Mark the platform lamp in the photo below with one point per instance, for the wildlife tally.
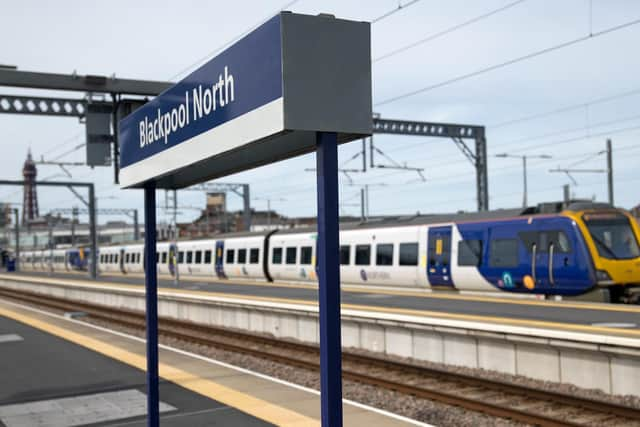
(524, 158)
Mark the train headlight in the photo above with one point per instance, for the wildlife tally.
(603, 277)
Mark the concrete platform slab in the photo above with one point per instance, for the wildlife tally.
(203, 391)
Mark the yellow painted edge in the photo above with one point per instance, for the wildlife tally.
(372, 309)
(244, 402)
(400, 292)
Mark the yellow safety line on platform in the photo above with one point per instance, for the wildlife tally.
(510, 321)
(403, 293)
(244, 402)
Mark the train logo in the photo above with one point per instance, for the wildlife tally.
(507, 280)
(363, 275)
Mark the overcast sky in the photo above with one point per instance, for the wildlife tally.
(158, 40)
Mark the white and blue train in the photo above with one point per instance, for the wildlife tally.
(544, 250)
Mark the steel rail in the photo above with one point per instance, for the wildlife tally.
(204, 335)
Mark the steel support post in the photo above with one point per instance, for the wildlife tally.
(176, 236)
(329, 279)
(136, 227)
(16, 218)
(482, 180)
(151, 294)
(247, 207)
(93, 234)
(524, 172)
(610, 172)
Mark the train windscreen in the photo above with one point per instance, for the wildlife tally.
(613, 235)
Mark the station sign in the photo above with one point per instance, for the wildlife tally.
(261, 100)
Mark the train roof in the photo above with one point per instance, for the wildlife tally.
(416, 220)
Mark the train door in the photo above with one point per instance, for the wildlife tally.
(220, 259)
(121, 262)
(551, 257)
(172, 259)
(439, 256)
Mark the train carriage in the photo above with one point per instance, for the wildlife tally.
(130, 259)
(383, 255)
(244, 256)
(195, 258)
(550, 249)
(292, 256)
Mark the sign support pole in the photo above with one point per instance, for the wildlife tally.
(151, 285)
(329, 279)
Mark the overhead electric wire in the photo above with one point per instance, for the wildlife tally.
(566, 109)
(391, 12)
(509, 62)
(446, 31)
(66, 153)
(63, 143)
(578, 138)
(297, 189)
(231, 41)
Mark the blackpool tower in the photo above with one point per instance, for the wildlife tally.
(30, 196)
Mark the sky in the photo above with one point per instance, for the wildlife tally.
(590, 87)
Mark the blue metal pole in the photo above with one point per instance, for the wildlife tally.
(151, 285)
(329, 279)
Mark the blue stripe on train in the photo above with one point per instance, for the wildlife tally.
(509, 262)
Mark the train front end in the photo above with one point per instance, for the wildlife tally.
(612, 237)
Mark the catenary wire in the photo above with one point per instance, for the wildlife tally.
(231, 41)
(509, 62)
(565, 109)
(446, 31)
(394, 11)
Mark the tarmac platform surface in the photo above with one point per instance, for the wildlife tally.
(61, 372)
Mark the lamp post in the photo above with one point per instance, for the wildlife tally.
(268, 200)
(524, 158)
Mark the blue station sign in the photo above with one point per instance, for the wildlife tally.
(261, 100)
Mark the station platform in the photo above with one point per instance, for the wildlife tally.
(61, 372)
(563, 315)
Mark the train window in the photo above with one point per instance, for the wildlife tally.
(384, 254)
(138, 258)
(254, 256)
(110, 258)
(207, 256)
(198, 259)
(164, 257)
(242, 256)
(116, 259)
(544, 239)
(306, 254)
(180, 257)
(363, 254)
(157, 257)
(276, 256)
(231, 254)
(469, 252)
(503, 253)
(408, 254)
(292, 254)
(189, 257)
(345, 254)
(127, 257)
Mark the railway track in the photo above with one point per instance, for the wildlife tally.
(495, 398)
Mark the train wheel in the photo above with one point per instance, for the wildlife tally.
(616, 294)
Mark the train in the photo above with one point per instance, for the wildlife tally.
(551, 249)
